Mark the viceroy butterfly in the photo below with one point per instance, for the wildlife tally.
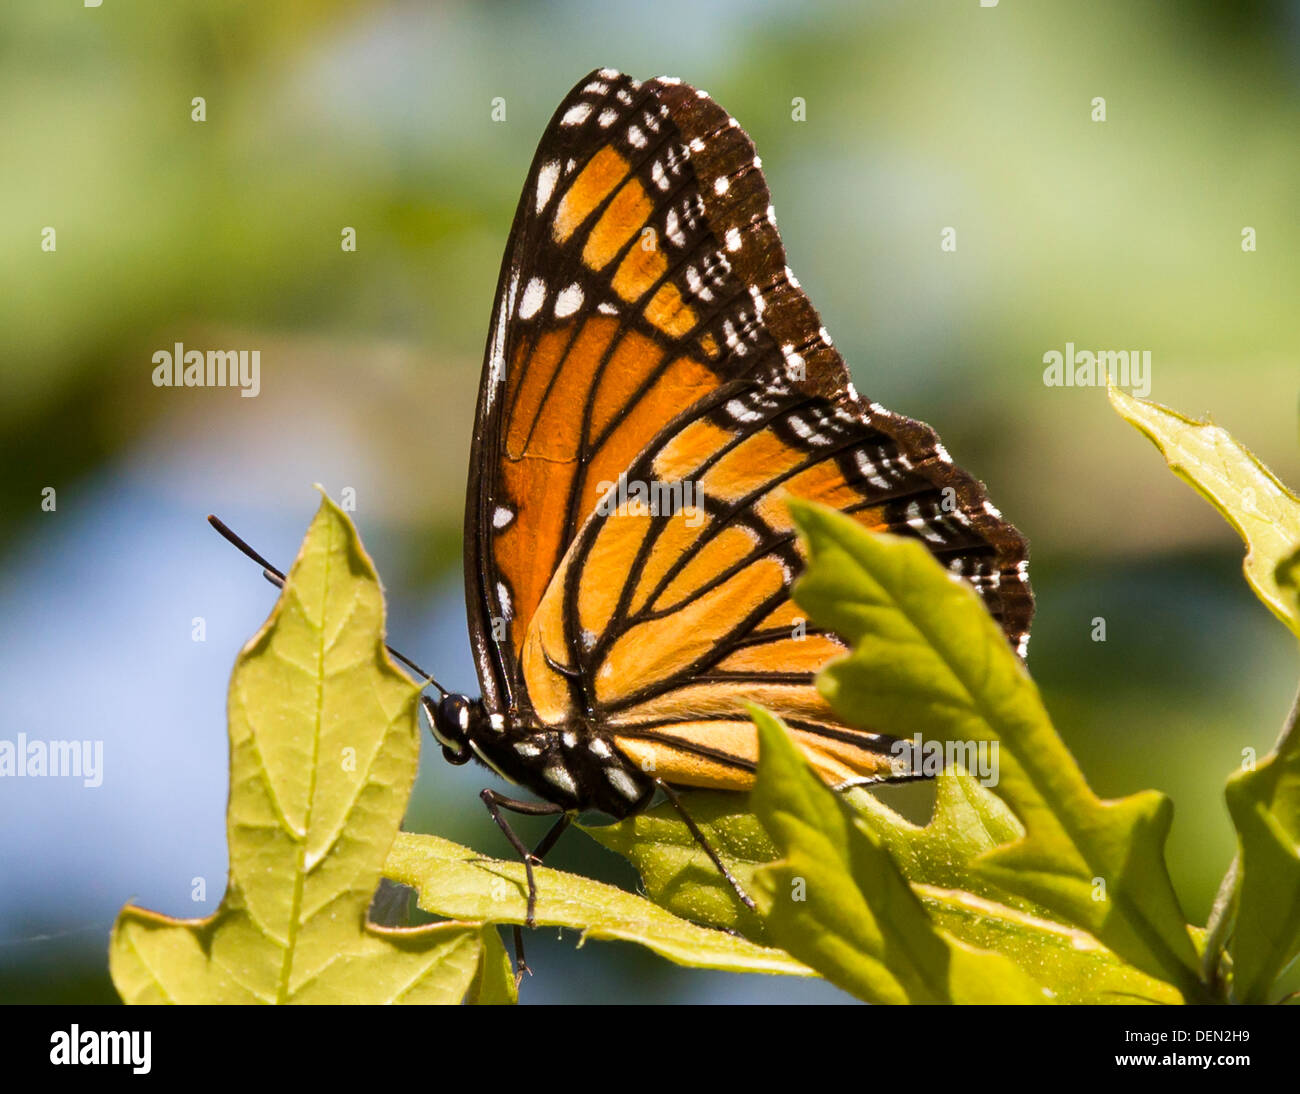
(655, 383)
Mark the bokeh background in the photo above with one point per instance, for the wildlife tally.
(377, 115)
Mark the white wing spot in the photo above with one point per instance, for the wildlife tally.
(673, 229)
(546, 179)
(622, 782)
(576, 114)
(918, 522)
(533, 299)
(733, 239)
(569, 301)
(501, 516)
(741, 412)
(869, 471)
(559, 776)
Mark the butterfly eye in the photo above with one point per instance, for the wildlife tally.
(449, 722)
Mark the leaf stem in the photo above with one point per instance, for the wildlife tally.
(1222, 918)
(1288, 728)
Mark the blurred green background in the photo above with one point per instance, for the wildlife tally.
(226, 233)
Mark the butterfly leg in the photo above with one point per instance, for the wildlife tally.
(676, 803)
(495, 803)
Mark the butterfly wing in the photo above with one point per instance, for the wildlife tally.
(593, 347)
(648, 333)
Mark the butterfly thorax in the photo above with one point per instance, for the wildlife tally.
(572, 765)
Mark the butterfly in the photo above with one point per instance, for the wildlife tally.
(655, 385)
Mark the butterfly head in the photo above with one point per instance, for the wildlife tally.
(453, 719)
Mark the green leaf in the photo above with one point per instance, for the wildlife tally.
(677, 873)
(968, 819)
(936, 858)
(941, 860)
(455, 881)
(1264, 802)
(1264, 512)
(1070, 963)
(323, 750)
(836, 900)
(1265, 807)
(929, 659)
(495, 983)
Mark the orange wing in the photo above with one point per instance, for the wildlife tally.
(648, 333)
(672, 609)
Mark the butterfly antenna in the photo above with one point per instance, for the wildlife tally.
(276, 578)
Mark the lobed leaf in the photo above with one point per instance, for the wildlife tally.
(927, 658)
(323, 751)
(1264, 802)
